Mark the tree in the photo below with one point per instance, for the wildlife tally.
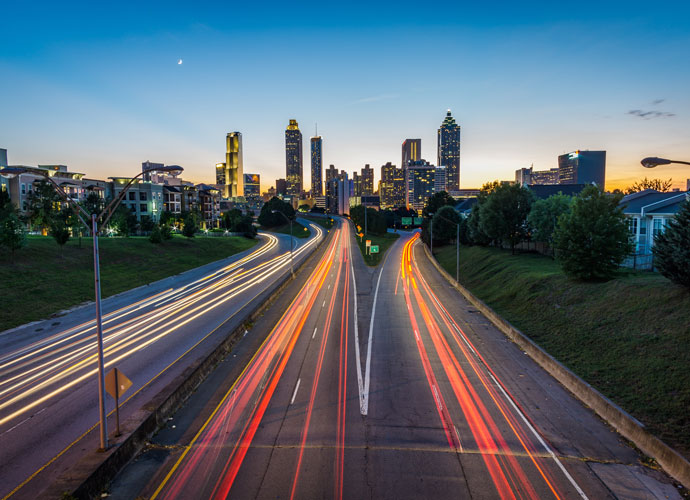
(231, 218)
(12, 232)
(59, 229)
(93, 204)
(544, 215)
(593, 238)
(317, 210)
(445, 224)
(436, 201)
(304, 207)
(166, 231)
(268, 219)
(656, 184)
(672, 247)
(124, 221)
(375, 223)
(43, 203)
(474, 230)
(503, 214)
(190, 226)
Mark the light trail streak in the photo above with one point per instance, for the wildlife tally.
(236, 419)
(31, 370)
(508, 476)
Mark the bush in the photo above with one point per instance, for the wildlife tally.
(593, 238)
(156, 235)
(12, 232)
(166, 231)
(672, 248)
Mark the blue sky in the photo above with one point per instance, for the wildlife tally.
(97, 86)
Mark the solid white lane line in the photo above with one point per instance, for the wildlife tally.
(294, 394)
(360, 383)
(314, 334)
(371, 335)
(324, 304)
(329, 286)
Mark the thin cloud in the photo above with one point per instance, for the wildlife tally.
(657, 101)
(648, 115)
(376, 98)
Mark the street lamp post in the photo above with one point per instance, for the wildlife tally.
(292, 272)
(653, 161)
(431, 229)
(95, 229)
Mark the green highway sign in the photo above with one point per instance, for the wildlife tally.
(418, 221)
(374, 249)
(407, 221)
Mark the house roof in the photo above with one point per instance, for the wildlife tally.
(637, 203)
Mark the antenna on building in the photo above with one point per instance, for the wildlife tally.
(316, 129)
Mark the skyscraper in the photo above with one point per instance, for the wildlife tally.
(230, 175)
(411, 151)
(293, 159)
(316, 166)
(392, 186)
(147, 166)
(582, 167)
(449, 151)
(252, 185)
(367, 181)
(420, 178)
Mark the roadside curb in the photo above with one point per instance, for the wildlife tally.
(669, 459)
(99, 469)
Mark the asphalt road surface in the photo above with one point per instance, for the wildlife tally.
(385, 383)
(48, 382)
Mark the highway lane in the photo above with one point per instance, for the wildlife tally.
(282, 426)
(48, 391)
(417, 396)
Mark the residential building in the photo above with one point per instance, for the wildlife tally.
(440, 179)
(649, 212)
(392, 186)
(209, 205)
(420, 181)
(316, 166)
(147, 167)
(293, 159)
(281, 187)
(172, 199)
(21, 185)
(411, 151)
(143, 198)
(189, 197)
(582, 167)
(449, 151)
(252, 186)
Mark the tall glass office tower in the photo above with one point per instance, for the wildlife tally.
(316, 166)
(449, 151)
(293, 159)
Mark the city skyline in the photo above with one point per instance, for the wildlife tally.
(522, 91)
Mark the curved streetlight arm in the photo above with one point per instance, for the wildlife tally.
(653, 161)
(110, 209)
(77, 208)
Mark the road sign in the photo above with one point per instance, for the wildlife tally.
(418, 221)
(374, 249)
(116, 384)
(407, 221)
(368, 243)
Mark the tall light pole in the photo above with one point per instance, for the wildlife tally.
(104, 216)
(431, 229)
(292, 272)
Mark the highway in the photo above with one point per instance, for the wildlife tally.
(384, 383)
(48, 382)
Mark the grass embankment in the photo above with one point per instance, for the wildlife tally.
(628, 337)
(298, 230)
(384, 242)
(42, 279)
(324, 222)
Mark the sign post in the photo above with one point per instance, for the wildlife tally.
(368, 246)
(116, 384)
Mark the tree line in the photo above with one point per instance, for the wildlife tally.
(589, 234)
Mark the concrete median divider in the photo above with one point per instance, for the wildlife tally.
(669, 459)
(99, 469)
